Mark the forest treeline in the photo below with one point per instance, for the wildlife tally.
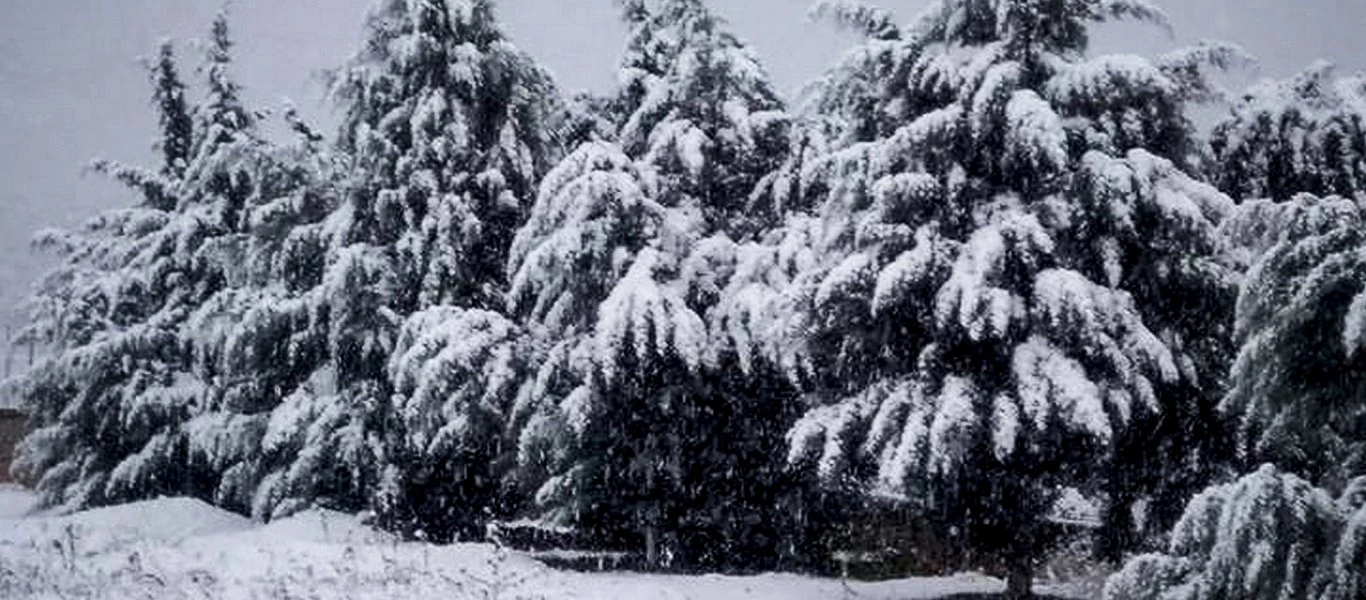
(977, 270)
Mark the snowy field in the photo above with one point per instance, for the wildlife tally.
(179, 548)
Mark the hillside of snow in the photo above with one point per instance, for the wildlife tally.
(181, 548)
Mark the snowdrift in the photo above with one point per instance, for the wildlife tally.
(181, 548)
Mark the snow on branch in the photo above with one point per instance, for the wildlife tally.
(871, 21)
(647, 319)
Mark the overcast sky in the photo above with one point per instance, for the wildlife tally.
(71, 88)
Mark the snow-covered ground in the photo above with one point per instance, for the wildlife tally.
(180, 548)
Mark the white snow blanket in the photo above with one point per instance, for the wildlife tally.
(181, 548)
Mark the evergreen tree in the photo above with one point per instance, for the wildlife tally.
(594, 214)
(1297, 402)
(1268, 536)
(1297, 392)
(651, 437)
(446, 130)
(585, 276)
(1301, 135)
(449, 126)
(260, 338)
(456, 374)
(696, 105)
(1012, 276)
(111, 403)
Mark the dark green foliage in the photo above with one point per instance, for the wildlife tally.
(1301, 135)
(114, 402)
(1006, 226)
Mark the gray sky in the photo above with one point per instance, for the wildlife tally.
(71, 88)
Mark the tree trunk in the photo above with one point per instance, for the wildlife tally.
(1116, 537)
(1020, 580)
(651, 547)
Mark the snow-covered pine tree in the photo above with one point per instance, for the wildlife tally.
(1267, 536)
(258, 335)
(1297, 388)
(580, 261)
(1301, 135)
(446, 130)
(651, 438)
(456, 373)
(747, 508)
(584, 262)
(1297, 402)
(260, 338)
(1012, 273)
(110, 402)
(594, 214)
(706, 120)
(698, 107)
(595, 211)
(449, 126)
